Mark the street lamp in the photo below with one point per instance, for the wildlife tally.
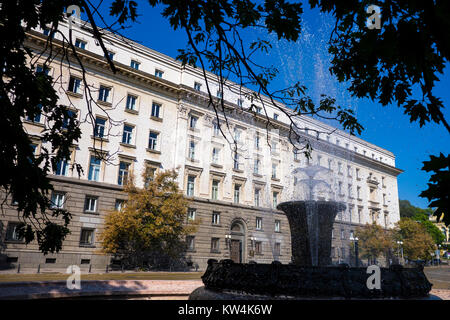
(400, 243)
(356, 249)
(228, 240)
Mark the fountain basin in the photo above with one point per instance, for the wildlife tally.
(229, 280)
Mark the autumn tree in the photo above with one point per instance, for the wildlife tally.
(417, 242)
(150, 227)
(374, 241)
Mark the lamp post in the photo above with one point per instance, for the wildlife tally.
(355, 239)
(228, 240)
(400, 248)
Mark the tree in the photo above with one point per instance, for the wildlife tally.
(421, 215)
(408, 52)
(417, 242)
(374, 241)
(438, 192)
(435, 233)
(149, 228)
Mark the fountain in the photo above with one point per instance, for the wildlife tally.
(310, 275)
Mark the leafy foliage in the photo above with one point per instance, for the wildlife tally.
(374, 241)
(151, 224)
(438, 192)
(26, 93)
(417, 242)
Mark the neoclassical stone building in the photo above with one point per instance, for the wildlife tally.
(153, 115)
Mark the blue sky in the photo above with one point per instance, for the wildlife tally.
(307, 60)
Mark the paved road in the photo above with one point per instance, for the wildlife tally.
(439, 277)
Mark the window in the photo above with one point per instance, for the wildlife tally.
(90, 204)
(240, 103)
(103, 94)
(153, 140)
(350, 191)
(339, 168)
(219, 94)
(87, 237)
(94, 169)
(99, 128)
(258, 223)
(329, 164)
(296, 154)
(159, 73)
(258, 247)
(215, 218)
(256, 167)
(237, 193)
(274, 147)
(237, 135)
(190, 243)
(215, 155)
(277, 249)
(12, 233)
(134, 64)
(275, 116)
(319, 158)
(42, 69)
(382, 182)
(277, 226)
(257, 196)
(37, 117)
(340, 187)
(190, 186)
(216, 129)
(110, 55)
(215, 244)
(215, 190)
(275, 199)
(131, 102)
(68, 118)
(62, 168)
(192, 150)
(74, 85)
(149, 175)
(191, 214)
(50, 260)
(124, 168)
(258, 109)
(197, 86)
(384, 199)
(349, 171)
(127, 134)
(357, 173)
(156, 108)
(257, 141)
(359, 215)
(58, 199)
(358, 192)
(337, 141)
(236, 161)
(80, 44)
(274, 170)
(119, 204)
(49, 32)
(193, 122)
(342, 234)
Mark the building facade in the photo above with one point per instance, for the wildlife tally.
(153, 114)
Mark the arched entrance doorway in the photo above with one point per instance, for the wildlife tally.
(237, 242)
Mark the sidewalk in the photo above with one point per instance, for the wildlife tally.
(156, 289)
